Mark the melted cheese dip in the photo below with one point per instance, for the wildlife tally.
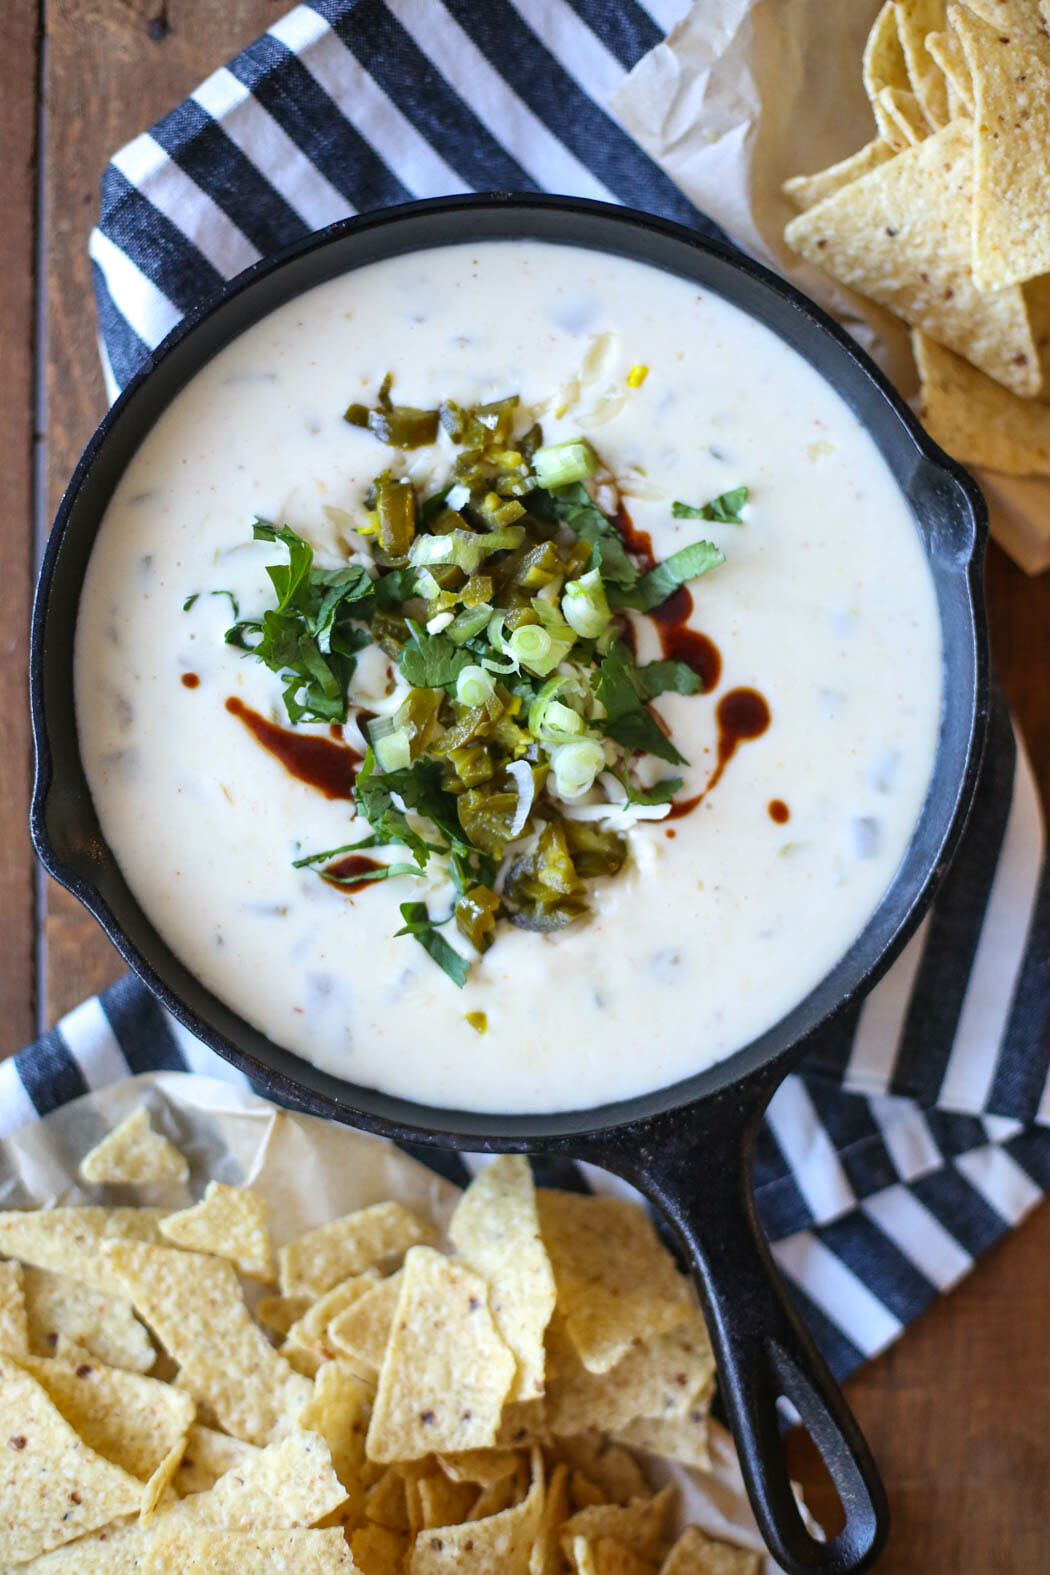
(824, 605)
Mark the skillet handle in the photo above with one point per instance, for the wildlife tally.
(695, 1164)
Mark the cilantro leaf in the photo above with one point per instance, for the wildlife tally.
(660, 792)
(655, 678)
(627, 721)
(573, 506)
(653, 589)
(394, 588)
(725, 508)
(431, 661)
(424, 929)
(373, 795)
(312, 637)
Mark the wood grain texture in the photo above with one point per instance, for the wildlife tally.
(113, 67)
(19, 30)
(959, 1411)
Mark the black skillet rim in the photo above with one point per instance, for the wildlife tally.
(766, 1059)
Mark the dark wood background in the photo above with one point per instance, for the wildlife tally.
(958, 1412)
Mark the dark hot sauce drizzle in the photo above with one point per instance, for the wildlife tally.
(190, 681)
(779, 811)
(742, 714)
(320, 762)
(342, 872)
(683, 644)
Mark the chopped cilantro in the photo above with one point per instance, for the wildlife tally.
(725, 508)
(653, 589)
(626, 720)
(424, 929)
(431, 661)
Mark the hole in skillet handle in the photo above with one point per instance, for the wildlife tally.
(694, 1163)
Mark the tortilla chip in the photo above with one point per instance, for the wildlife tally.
(378, 1551)
(901, 235)
(53, 1487)
(480, 1466)
(695, 1553)
(944, 48)
(66, 1241)
(583, 1492)
(446, 1371)
(1018, 19)
(362, 1331)
(661, 1377)
(500, 1545)
(132, 1421)
(208, 1456)
(976, 420)
(311, 1330)
(612, 1558)
(203, 1550)
(62, 1312)
(195, 1306)
(915, 19)
(385, 1501)
(496, 1497)
(616, 1283)
(638, 1526)
(116, 1549)
(547, 1558)
(338, 1410)
(134, 1153)
(14, 1329)
(884, 66)
(280, 1312)
(314, 1262)
(617, 1473)
(806, 191)
(682, 1438)
(230, 1222)
(289, 1483)
(904, 110)
(524, 1422)
(1011, 207)
(497, 1230)
(445, 1503)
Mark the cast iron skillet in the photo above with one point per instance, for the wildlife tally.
(688, 1147)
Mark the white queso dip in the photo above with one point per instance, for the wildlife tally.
(818, 638)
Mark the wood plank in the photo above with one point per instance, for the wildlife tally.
(19, 46)
(112, 68)
(956, 1414)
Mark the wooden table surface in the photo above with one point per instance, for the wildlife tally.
(958, 1413)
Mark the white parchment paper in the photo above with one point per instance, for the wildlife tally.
(745, 93)
(308, 1171)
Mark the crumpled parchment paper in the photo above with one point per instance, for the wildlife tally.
(308, 1171)
(745, 93)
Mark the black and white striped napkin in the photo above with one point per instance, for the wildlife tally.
(919, 1131)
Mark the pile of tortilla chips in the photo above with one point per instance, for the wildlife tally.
(945, 217)
(369, 1403)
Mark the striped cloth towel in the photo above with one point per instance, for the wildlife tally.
(917, 1133)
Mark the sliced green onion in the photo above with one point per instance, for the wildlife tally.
(584, 605)
(474, 686)
(525, 783)
(458, 495)
(561, 719)
(464, 548)
(560, 464)
(532, 646)
(576, 765)
(440, 621)
(468, 623)
(426, 585)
